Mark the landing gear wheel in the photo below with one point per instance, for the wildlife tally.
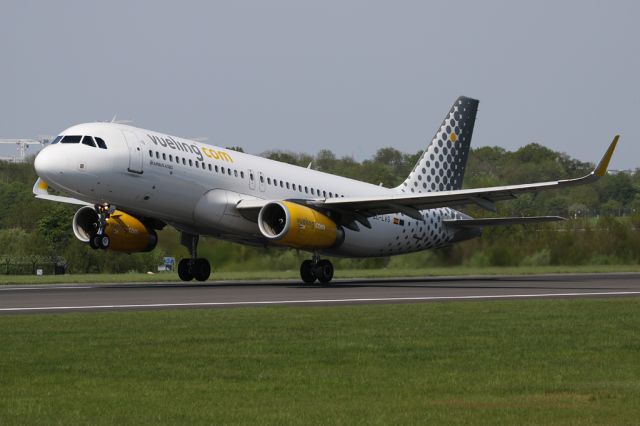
(94, 242)
(99, 242)
(324, 271)
(184, 270)
(306, 272)
(201, 269)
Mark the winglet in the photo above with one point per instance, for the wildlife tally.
(601, 170)
(41, 190)
(40, 187)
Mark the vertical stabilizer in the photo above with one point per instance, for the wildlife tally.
(442, 165)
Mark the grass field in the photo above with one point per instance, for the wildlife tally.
(294, 274)
(505, 362)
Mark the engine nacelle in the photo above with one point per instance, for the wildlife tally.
(298, 226)
(126, 233)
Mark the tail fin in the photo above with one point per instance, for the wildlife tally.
(441, 167)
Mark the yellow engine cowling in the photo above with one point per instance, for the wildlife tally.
(126, 233)
(298, 226)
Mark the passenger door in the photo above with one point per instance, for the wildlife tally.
(135, 151)
(252, 180)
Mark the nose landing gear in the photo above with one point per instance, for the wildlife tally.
(100, 240)
(316, 269)
(198, 268)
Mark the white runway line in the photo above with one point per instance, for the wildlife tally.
(319, 301)
(41, 288)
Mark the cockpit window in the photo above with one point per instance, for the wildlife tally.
(101, 143)
(88, 140)
(56, 140)
(71, 139)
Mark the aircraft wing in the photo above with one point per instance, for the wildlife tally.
(359, 208)
(41, 190)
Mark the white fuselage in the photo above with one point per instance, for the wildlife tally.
(195, 186)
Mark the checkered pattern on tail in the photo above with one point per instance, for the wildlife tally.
(441, 167)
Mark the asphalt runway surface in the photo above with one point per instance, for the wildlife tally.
(114, 297)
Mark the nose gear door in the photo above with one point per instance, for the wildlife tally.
(135, 152)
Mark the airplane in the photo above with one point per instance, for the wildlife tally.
(131, 182)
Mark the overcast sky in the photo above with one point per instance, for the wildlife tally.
(350, 76)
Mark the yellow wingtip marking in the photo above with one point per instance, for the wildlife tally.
(43, 185)
(601, 170)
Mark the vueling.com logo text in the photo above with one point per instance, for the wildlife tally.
(169, 142)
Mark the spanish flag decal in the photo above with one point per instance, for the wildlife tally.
(397, 221)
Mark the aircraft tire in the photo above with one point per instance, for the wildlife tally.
(184, 270)
(324, 271)
(201, 269)
(104, 242)
(94, 242)
(306, 272)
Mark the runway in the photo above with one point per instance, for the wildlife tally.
(114, 297)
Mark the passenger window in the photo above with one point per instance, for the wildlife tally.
(242, 174)
(306, 189)
(150, 153)
(210, 168)
(235, 173)
(324, 193)
(191, 162)
(312, 192)
(222, 170)
(157, 154)
(251, 176)
(88, 140)
(71, 139)
(216, 169)
(262, 179)
(164, 156)
(56, 140)
(281, 185)
(171, 158)
(287, 185)
(229, 171)
(330, 195)
(204, 166)
(184, 162)
(269, 181)
(101, 143)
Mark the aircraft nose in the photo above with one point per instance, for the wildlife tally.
(46, 164)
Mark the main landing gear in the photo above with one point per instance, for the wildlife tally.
(194, 267)
(316, 269)
(100, 240)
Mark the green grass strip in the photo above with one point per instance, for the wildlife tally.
(506, 362)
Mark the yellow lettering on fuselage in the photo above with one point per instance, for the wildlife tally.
(217, 155)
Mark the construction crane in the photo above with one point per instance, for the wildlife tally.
(22, 145)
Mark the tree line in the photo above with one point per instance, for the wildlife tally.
(603, 226)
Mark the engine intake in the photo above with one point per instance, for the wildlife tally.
(126, 233)
(298, 226)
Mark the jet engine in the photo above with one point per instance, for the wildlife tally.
(126, 233)
(298, 226)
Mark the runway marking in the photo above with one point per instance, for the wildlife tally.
(45, 288)
(320, 301)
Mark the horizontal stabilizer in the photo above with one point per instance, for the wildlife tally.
(500, 221)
